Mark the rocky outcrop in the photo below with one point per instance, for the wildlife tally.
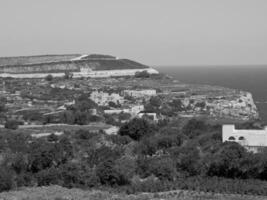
(239, 105)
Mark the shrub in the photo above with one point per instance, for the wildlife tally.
(108, 174)
(12, 124)
(136, 129)
(6, 179)
(48, 177)
(142, 74)
(49, 77)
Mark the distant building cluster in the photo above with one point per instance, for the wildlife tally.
(103, 98)
(140, 93)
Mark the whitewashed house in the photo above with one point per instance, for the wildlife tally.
(253, 140)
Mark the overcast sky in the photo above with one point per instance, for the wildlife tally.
(155, 32)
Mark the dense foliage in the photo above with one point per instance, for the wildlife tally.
(142, 157)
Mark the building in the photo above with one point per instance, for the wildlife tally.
(140, 93)
(253, 140)
(103, 98)
(152, 116)
(133, 110)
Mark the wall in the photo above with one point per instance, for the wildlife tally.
(93, 74)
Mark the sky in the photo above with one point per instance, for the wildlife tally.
(154, 32)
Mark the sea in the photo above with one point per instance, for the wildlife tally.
(248, 78)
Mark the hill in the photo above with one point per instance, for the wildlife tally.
(80, 65)
(23, 60)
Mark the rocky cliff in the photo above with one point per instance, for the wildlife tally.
(237, 105)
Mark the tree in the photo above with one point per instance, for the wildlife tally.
(163, 168)
(194, 128)
(49, 176)
(49, 77)
(177, 105)
(6, 179)
(52, 138)
(108, 174)
(136, 129)
(155, 101)
(12, 124)
(142, 74)
(68, 75)
(188, 160)
(227, 161)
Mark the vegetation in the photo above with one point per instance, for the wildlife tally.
(142, 74)
(49, 77)
(143, 157)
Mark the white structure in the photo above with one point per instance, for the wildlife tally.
(39, 135)
(103, 98)
(251, 139)
(113, 130)
(84, 72)
(153, 116)
(134, 110)
(140, 93)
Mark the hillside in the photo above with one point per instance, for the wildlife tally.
(62, 63)
(23, 60)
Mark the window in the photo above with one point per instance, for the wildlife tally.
(231, 138)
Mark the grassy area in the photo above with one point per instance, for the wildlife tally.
(60, 193)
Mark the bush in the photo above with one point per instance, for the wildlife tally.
(49, 77)
(142, 74)
(6, 179)
(84, 134)
(108, 174)
(48, 177)
(136, 129)
(12, 124)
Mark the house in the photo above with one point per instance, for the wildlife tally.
(252, 139)
(133, 110)
(113, 130)
(40, 135)
(103, 98)
(152, 116)
(140, 93)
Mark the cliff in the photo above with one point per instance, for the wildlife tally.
(236, 105)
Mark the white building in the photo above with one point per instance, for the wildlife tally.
(84, 72)
(103, 98)
(133, 110)
(253, 140)
(140, 93)
(153, 116)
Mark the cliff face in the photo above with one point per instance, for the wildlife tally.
(239, 105)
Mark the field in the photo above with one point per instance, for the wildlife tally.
(60, 193)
